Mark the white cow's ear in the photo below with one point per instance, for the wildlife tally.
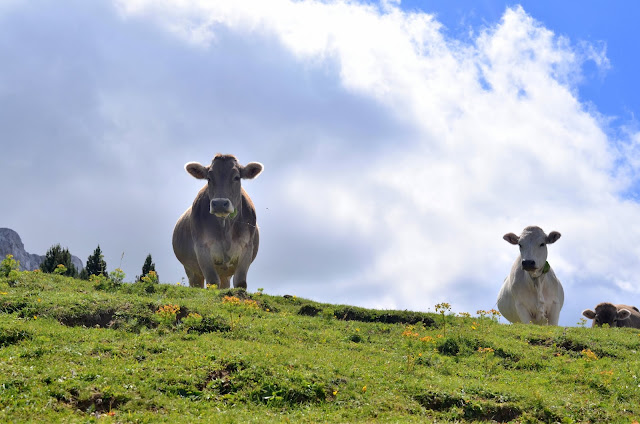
(251, 170)
(623, 314)
(196, 170)
(589, 313)
(553, 237)
(511, 238)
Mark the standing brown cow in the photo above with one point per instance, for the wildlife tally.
(217, 237)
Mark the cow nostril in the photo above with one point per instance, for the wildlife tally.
(528, 264)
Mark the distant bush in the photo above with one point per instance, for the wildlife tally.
(9, 268)
(96, 265)
(147, 267)
(147, 285)
(58, 256)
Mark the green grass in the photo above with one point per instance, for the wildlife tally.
(76, 351)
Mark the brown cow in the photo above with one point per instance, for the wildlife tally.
(614, 315)
(217, 237)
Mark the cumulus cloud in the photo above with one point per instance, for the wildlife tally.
(395, 157)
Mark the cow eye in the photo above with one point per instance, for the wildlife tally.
(236, 178)
(542, 245)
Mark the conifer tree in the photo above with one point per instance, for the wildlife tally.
(96, 265)
(148, 266)
(55, 256)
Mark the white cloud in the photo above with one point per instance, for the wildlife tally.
(395, 158)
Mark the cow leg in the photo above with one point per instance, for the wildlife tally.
(212, 277)
(240, 276)
(523, 313)
(554, 313)
(196, 279)
(205, 262)
(224, 282)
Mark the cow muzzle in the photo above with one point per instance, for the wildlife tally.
(529, 265)
(221, 207)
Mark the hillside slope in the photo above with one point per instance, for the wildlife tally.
(76, 351)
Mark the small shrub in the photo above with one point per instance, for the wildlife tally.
(449, 347)
(235, 301)
(192, 320)
(151, 278)
(117, 277)
(111, 283)
(10, 268)
(356, 338)
(166, 315)
(209, 324)
(147, 284)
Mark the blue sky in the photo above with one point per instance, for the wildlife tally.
(400, 140)
(612, 23)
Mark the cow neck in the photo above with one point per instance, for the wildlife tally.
(537, 274)
(227, 224)
(538, 285)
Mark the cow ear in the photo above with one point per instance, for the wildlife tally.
(589, 313)
(511, 238)
(553, 237)
(251, 170)
(196, 170)
(623, 314)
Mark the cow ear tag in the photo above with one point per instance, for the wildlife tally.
(235, 213)
(546, 268)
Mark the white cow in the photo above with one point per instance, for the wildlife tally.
(531, 293)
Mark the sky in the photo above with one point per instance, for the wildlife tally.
(400, 140)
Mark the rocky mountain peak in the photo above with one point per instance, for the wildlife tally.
(11, 244)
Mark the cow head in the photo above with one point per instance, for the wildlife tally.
(223, 182)
(607, 313)
(533, 248)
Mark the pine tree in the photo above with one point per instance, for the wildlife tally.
(148, 266)
(55, 256)
(96, 265)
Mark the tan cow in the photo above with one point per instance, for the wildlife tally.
(614, 315)
(531, 293)
(217, 237)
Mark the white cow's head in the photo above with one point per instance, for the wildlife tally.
(533, 247)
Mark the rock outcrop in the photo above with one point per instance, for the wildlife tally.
(11, 244)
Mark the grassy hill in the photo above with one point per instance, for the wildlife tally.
(77, 351)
